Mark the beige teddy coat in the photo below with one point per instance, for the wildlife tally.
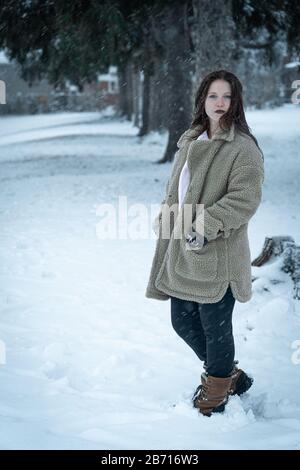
(226, 176)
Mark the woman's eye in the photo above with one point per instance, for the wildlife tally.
(215, 96)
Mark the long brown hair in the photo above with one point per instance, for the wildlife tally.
(235, 113)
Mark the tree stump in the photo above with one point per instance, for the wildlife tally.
(285, 247)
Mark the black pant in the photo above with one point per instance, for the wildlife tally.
(207, 329)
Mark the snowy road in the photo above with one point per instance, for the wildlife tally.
(90, 362)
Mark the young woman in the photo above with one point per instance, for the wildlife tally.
(218, 171)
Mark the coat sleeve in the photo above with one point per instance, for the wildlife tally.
(156, 222)
(238, 205)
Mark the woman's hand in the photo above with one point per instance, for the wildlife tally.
(195, 239)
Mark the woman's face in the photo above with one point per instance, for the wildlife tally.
(218, 99)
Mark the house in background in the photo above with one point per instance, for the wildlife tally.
(42, 97)
(20, 97)
(109, 86)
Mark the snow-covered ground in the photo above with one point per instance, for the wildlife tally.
(90, 362)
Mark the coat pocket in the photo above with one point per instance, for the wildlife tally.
(199, 265)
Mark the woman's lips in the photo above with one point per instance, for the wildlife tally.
(219, 111)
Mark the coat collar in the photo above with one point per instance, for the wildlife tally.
(193, 133)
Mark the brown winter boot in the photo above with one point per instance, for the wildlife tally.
(213, 395)
(241, 382)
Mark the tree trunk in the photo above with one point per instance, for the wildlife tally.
(125, 91)
(178, 81)
(129, 91)
(136, 96)
(213, 37)
(158, 101)
(146, 101)
(148, 72)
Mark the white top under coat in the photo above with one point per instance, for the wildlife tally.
(184, 178)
